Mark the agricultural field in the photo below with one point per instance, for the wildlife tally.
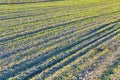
(60, 40)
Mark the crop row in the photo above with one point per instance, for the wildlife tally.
(47, 44)
(49, 30)
(27, 25)
(77, 69)
(73, 44)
